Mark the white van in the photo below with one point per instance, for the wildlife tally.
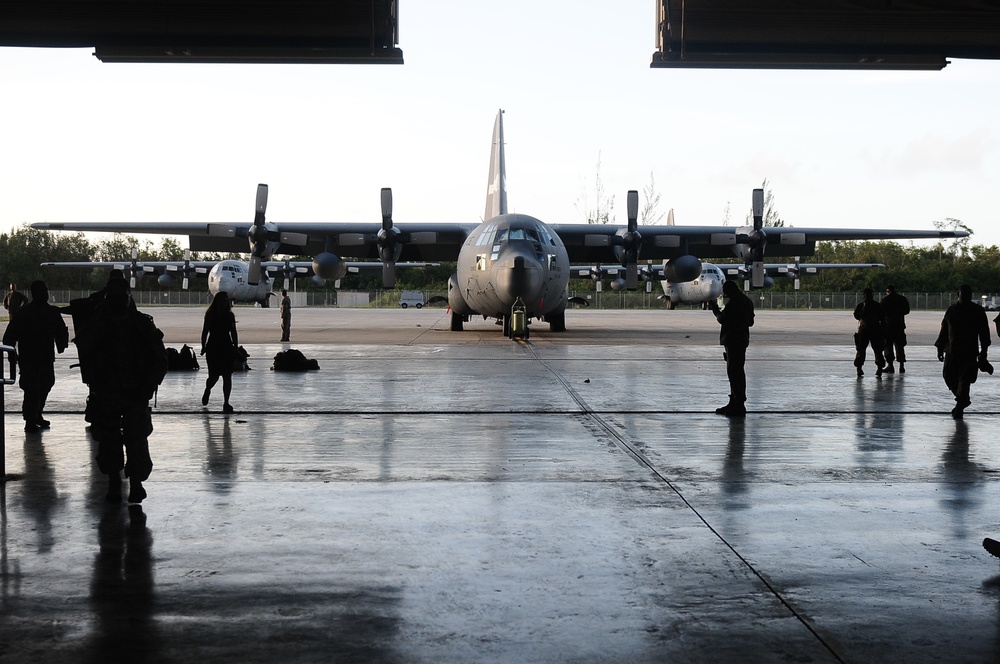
(411, 298)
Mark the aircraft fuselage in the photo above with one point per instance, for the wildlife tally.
(511, 257)
(232, 278)
(704, 289)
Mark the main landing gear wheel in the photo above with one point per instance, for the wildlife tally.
(557, 322)
(456, 322)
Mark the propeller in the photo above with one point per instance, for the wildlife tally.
(289, 273)
(258, 236)
(265, 238)
(186, 270)
(631, 242)
(648, 275)
(757, 240)
(133, 268)
(389, 241)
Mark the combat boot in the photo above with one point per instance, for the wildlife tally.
(901, 369)
(889, 369)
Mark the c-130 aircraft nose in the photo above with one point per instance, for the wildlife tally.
(519, 277)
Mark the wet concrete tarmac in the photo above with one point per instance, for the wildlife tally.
(429, 496)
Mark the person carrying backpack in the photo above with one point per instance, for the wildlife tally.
(128, 362)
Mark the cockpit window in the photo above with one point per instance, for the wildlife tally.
(487, 236)
(544, 235)
(516, 234)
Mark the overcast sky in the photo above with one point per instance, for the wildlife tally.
(86, 141)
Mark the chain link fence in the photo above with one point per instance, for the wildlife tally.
(389, 299)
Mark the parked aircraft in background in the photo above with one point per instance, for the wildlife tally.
(508, 258)
(708, 286)
(228, 276)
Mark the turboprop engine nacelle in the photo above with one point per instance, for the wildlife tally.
(329, 266)
(166, 281)
(318, 280)
(684, 268)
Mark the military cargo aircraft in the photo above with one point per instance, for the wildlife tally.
(226, 276)
(507, 259)
(708, 286)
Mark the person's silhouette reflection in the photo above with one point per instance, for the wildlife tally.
(734, 482)
(44, 495)
(122, 589)
(961, 477)
(221, 461)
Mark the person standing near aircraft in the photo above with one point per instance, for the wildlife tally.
(14, 300)
(962, 345)
(127, 363)
(896, 307)
(286, 315)
(736, 319)
(219, 340)
(37, 331)
(871, 332)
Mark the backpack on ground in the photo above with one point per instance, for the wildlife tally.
(293, 360)
(182, 360)
(240, 357)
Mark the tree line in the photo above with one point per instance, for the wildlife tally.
(924, 268)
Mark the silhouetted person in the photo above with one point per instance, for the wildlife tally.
(871, 332)
(37, 331)
(128, 362)
(219, 341)
(82, 311)
(962, 345)
(286, 315)
(14, 300)
(736, 319)
(896, 307)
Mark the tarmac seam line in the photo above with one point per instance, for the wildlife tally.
(637, 454)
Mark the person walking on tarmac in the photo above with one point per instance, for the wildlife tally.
(219, 340)
(127, 363)
(736, 319)
(871, 332)
(38, 331)
(896, 308)
(962, 345)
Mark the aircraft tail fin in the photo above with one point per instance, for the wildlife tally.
(496, 188)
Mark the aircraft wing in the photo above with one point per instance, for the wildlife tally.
(140, 267)
(359, 240)
(594, 243)
(305, 268)
(790, 269)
